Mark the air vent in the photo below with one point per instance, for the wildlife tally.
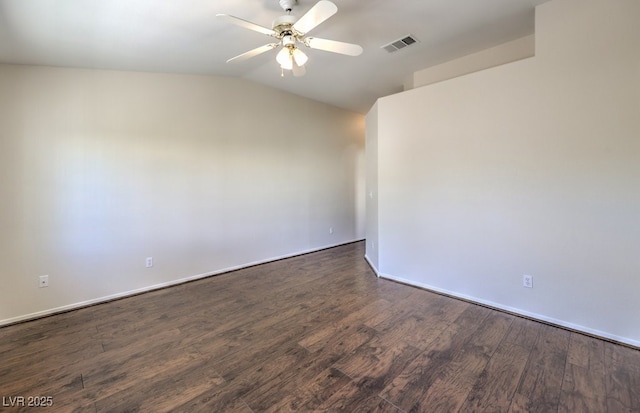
(399, 44)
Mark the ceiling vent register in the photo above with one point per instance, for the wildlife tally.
(399, 44)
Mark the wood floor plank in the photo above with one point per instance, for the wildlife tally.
(303, 380)
(353, 320)
(583, 386)
(407, 388)
(163, 392)
(496, 385)
(370, 368)
(582, 391)
(373, 365)
(318, 332)
(420, 327)
(353, 398)
(586, 352)
(302, 393)
(298, 376)
(60, 385)
(46, 344)
(416, 301)
(523, 332)
(267, 363)
(287, 317)
(104, 379)
(226, 398)
(43, 365)
(541, 381)
(456, 379)
(622, 378)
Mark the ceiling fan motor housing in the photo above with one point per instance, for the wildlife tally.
(288, 40)
(283, 24)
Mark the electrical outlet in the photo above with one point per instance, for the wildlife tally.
(330, 230)
(149, 262)
(527, 281)
(44, 281)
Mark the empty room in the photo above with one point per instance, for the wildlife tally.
(303, 205)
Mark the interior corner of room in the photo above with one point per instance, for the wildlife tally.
(525, 169)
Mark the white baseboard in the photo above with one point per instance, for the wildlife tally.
(124, 294)
(527, 314)
(373, 267)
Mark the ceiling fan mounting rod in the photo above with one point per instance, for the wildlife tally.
(287, 5)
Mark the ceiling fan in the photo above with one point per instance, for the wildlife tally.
(291, 33)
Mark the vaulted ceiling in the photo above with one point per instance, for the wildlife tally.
(184, 36)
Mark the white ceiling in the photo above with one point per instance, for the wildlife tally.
(184, 36)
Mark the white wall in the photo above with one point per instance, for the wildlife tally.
(101, 169)
(512, 51)
(371, 133)
(527, 168)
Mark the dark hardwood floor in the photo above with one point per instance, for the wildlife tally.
(317, 332)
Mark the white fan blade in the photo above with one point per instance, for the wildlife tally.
(254, 52)
(298, 70)
(333, 46)
(246, 24)
(316, 15)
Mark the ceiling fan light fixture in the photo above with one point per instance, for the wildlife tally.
(299, 56)
(285, 58)
(298, 71)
